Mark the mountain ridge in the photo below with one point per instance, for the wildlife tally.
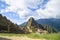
(6, 26)
(32, 26)
(41, 22)
(52, 22)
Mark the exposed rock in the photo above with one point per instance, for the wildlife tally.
(32, 26)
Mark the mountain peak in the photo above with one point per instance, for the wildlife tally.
(32, 25)
(31, 19)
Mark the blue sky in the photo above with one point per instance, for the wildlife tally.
(19, 11)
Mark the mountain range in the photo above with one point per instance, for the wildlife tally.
(51, 22)
(31, 26)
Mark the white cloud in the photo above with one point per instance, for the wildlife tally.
(20, 7)
(23, 13)
(15, 4)
(33, 3)
(51, 11)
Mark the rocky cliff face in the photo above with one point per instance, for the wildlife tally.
(33, 26)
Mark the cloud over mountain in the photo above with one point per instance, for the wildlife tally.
(27, 8)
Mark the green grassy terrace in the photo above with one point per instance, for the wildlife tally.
(52, 36)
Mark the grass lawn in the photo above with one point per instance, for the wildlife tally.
(52, 36)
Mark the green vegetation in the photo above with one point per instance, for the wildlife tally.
(6, 26)
(53, 36)
(50, 29)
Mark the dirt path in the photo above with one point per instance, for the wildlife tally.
(17, 38)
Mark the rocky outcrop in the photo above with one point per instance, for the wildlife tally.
(32, 26)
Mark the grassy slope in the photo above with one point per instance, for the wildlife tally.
(53, 36)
